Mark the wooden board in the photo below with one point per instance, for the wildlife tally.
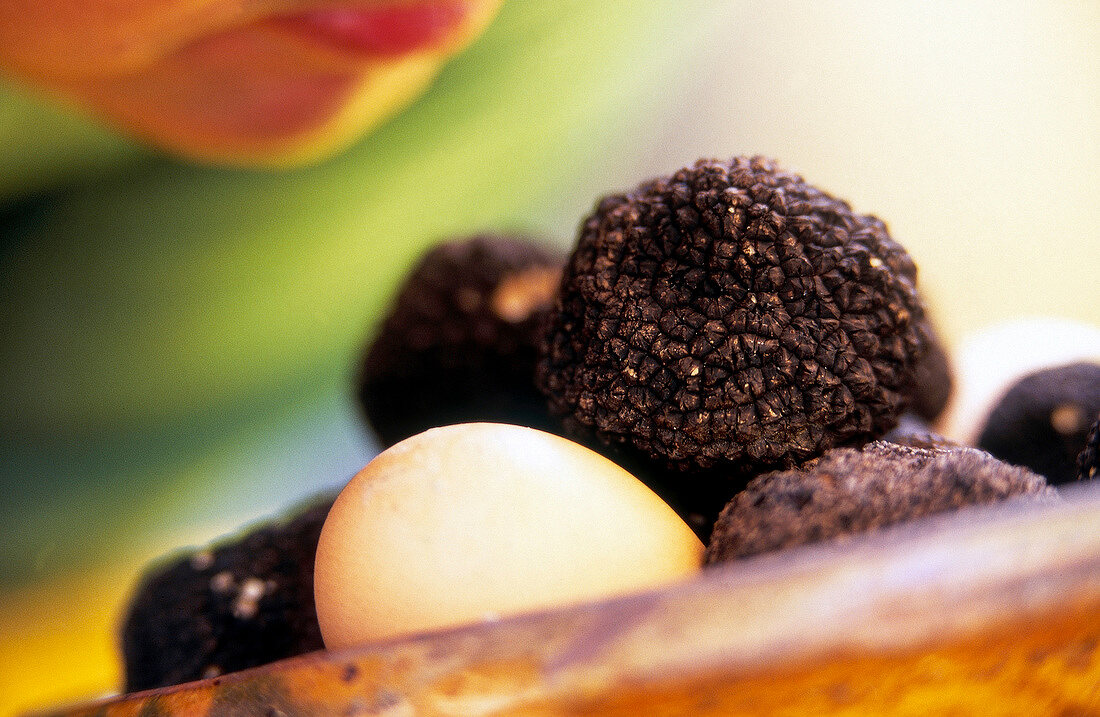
(992, 611)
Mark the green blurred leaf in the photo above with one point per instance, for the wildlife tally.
(164, 327)
(177, 288)
(43, 146)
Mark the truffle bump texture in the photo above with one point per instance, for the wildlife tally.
(849, 491)
(733, 317)
(460, 341)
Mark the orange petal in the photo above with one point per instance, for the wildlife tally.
(282, 91)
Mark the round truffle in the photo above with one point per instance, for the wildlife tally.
(1042, 421)
(849, 491)
(460, 341)
(1088, 462)
(240, 603)
(733, 317)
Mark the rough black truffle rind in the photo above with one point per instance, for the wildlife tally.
(234, 605)
(849, 491)
(460, 341)
(1043, 419)
(733, 317)
(1088, 462)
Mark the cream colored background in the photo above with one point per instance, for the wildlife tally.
(970, 128)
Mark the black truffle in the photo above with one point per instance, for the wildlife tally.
(731, 318)
(1088, 462)
(234, 605)
(933, 381)
(1043, 419)
(460, 342)
(849, 491)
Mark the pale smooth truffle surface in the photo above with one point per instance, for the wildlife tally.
(478, 521)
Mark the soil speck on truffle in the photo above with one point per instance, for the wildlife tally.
(243, 602)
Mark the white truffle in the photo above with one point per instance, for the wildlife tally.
(474, 520)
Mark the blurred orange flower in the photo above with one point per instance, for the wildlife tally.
(249, 82)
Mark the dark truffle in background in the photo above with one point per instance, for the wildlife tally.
(1088, 462)
(231, 606)
(732, 318)
(460, 341)
(1042, 420)
(849, 491)
(933, 382)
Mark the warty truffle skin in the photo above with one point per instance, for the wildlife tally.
(849, 491)
(460, 341)
(243, 602)
(732, 317)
